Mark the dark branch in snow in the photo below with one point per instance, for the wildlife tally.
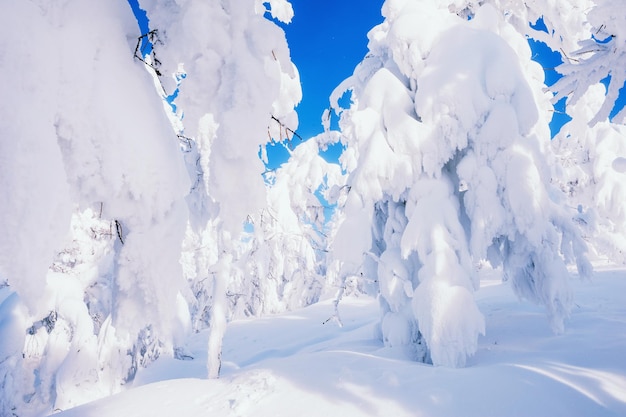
(287, 129)
(186, 143)
(199, 174)
(118, 228)
(566, 56)
(145, 47)
(48, 322)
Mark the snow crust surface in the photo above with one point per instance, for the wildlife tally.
(293, 364)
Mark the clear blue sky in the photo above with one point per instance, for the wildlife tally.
(327, 39)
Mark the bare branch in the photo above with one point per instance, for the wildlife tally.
(287, 129)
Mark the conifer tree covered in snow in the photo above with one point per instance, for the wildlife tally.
(287, 260)
(93, 210)
(237, 68)
(591, 148)
(445, 143)
(601, 54)
(589, 35)
(99, 204)
(591, 171)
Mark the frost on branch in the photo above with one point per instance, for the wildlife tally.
(240, 87)
(446, 169)
(285, 261)
(601, 56)
(588, 172)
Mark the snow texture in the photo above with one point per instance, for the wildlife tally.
(443, 141)
(292, 364)
(238, 93)
(138, 217)
(237, 68)
(100, 208)
(602, 54)
(590, 171)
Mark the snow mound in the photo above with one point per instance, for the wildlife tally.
(293, 364)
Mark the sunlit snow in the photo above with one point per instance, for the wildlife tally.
(153, 263)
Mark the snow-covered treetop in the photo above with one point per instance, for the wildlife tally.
(237, 66)
(600, 56)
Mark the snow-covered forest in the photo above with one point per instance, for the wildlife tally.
(144, 238)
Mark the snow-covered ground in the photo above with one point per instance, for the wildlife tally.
(295, 364)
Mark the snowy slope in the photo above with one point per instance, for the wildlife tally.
(294, 365)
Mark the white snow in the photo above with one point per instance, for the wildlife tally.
(601, 54)
(127, 229)
(590, 170)
(619, 165)
(292, 364)
(97, 205)
(445, 153)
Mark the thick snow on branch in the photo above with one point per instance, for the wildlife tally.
(239, 93)
(99, 210)
(590, 171)
(601, 55)
(237, 67)
(95, 203)
(447, 168)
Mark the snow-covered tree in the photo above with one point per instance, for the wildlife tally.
(97, 212)
(601, 55)
(93, 210)
(239, 86)
(122, 220)
(279, 264)
(287, 260)
(590, 170)
(445, 143)
(589, 35)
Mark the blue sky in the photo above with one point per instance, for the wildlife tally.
(327, 39)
